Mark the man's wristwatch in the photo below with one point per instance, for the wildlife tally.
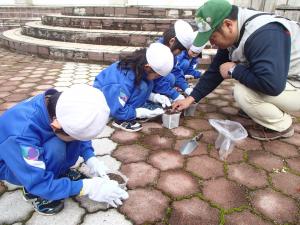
(230, 71)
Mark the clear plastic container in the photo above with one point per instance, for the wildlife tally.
(190, 111)
(171, 121)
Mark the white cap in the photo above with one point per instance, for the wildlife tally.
(184, 32)
(160, 58)
(82, 111)
(195, 48)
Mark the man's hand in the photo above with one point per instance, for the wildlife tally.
(224, 68)
(183, 104)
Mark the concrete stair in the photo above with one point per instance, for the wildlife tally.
(94, 34)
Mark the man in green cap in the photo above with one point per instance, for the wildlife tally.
(259, 50)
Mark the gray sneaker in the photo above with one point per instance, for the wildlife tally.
(130, 126)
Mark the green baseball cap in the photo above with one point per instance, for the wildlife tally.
(208, 18)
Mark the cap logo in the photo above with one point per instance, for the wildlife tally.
(203, 26)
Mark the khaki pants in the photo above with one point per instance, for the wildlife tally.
(269, 111)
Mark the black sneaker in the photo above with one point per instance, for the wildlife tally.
(74, 175)
(47, 207)
(130, 126)
(27, 196)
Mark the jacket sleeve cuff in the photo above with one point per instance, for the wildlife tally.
(76, 187)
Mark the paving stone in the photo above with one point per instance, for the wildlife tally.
(218, 102)
(157, 142)
(215, 116)
(44, 87)
(249, 144)
(275, 206)
(229, 110)
(236, 155)
(198, 124)
(145, 206)
(11, 88)
(294, 164)
(210, 137)
(8, 202)
(207, 108)
(106, 218)
(17, 78)
(106, 132)
(139, 174)
(205, 167)
(110, 162)
(124, 137)
(103, 146)
(193, 211)
(287, 183)
(169, 180)
(265, 160)
(7, 105)
(4, 93)
(90, 205)
(225, 193)
(247, 175)
(71, 213)
(16, 97)
(165, 160)
(245, 218)
(281, 149)
(13, 83)
(294, 140)
(200, 150)
(131, 153)
(182, 132)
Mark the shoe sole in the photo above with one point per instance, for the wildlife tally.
(287, 135)
(122, 128)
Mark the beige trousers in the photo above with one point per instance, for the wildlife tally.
(269, 111)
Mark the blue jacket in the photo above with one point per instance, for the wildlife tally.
(23, 130)
(187, 64)
(121, 93)
(268, 53)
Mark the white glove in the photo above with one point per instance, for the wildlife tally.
(97, 167)
(180, 97)
(162, 99)
(147, 113)
(103, 190)
(187, 76)
(188, 91)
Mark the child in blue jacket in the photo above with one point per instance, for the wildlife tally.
(42, 137)
(128, 84)
(178, 38)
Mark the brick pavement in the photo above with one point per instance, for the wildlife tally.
(257, 184)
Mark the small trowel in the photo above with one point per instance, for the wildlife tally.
(190, 145)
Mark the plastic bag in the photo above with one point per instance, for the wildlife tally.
(229, 133)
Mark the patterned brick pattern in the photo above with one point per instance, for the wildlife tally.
(258, 183)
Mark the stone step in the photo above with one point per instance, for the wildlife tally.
(111, 23)
(67, 51)
(132, 11)
(90, 36)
